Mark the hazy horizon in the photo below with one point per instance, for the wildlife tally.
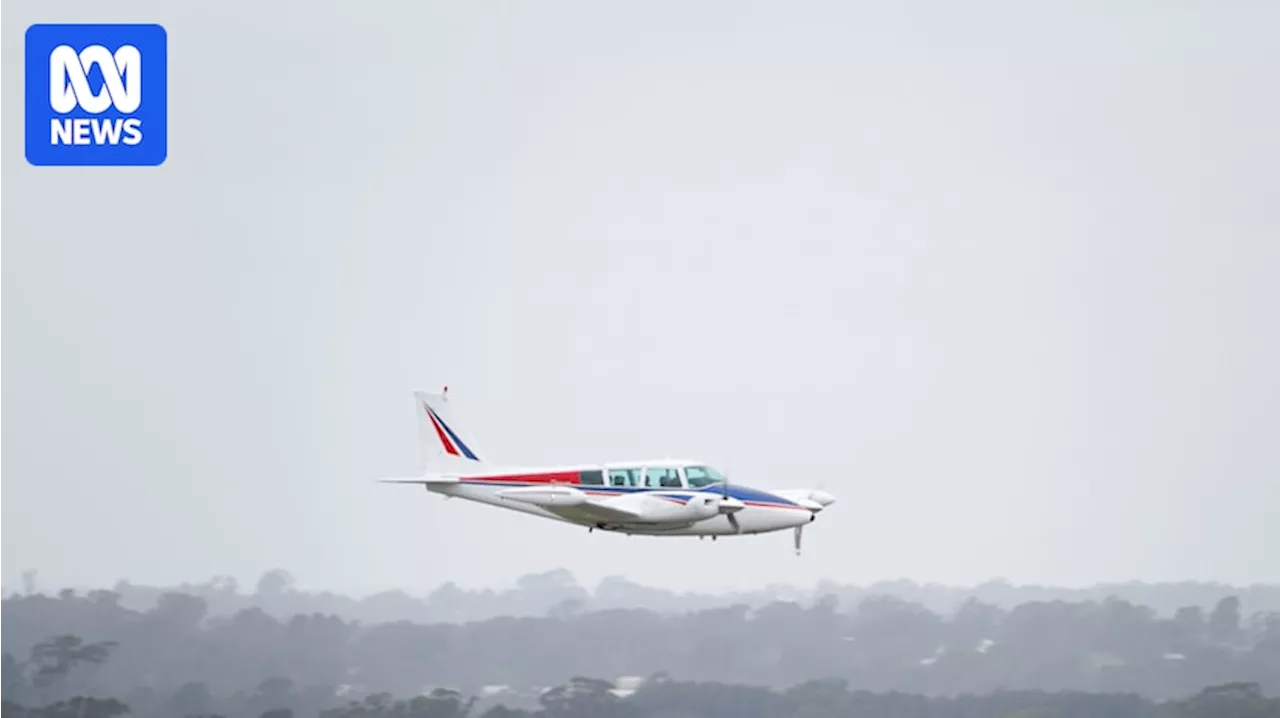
(246, 584)
(1001, 277)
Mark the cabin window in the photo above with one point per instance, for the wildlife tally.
(662, 477)
(624, 477)
(700, 476)
(592, 477)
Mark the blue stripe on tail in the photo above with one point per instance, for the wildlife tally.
(467, 452)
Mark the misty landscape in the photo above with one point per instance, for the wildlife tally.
(551, 647)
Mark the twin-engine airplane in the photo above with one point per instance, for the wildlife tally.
(652, 498)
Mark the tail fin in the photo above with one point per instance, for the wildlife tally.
(438, 432)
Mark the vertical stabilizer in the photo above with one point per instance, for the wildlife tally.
(439, 434)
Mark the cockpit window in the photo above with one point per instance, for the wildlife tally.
(700, 476)
(662, 477)
(624, 477)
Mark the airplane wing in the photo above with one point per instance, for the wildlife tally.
(598, 510)
(568, 502)
(575, 505)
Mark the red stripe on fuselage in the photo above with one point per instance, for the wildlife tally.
(553, 477)
(767, 505)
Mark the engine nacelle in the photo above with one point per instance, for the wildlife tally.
(703, 506)
(660, 508)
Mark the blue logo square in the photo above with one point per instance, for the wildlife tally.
(97, 95)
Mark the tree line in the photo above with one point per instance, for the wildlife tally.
(176, 654)
(539, 594)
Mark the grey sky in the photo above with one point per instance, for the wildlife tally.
(1002, 275)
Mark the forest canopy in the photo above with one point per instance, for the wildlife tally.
(177, 654)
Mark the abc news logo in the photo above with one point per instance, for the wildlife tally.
(97, 94)
(121, 89)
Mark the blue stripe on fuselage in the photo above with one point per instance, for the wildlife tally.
(745, 493)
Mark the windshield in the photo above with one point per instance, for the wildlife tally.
(700, 476)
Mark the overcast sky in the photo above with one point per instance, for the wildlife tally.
(1000, 275)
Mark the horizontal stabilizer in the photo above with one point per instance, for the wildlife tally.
(422, 480)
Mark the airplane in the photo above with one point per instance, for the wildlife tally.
(662, 497)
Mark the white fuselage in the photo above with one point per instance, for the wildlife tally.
(762, 512)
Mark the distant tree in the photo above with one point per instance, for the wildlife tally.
(827, 604)
(377, 704)
(52, 660)
(581, 697)
(973, 622)
(1191, 620)
(274, 583)
(105, 599)
(567, 608)
(1224, 622)
(179, 611)
(440, 703)
(224, 584)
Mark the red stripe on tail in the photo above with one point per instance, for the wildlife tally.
(444, 439)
